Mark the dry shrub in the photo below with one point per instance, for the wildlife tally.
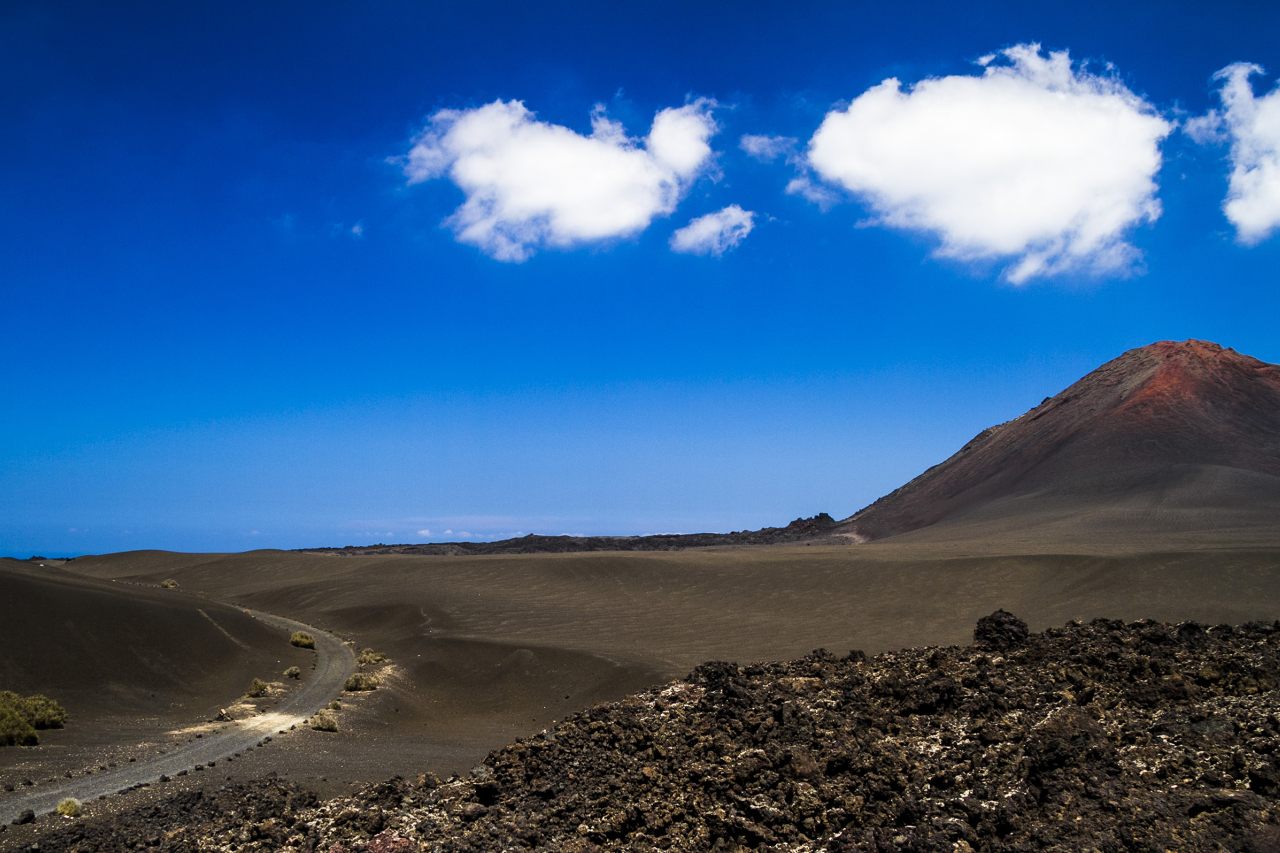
(360, 682)
(323, 721)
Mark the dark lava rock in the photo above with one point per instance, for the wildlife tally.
(1001, 630)
(27, 816)
(816, 528)
(1101, 736)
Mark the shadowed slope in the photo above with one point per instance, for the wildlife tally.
(1168, 436)
(115, 650)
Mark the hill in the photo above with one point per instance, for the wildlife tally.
(1174, 436)
(130, 662)
(800, 530)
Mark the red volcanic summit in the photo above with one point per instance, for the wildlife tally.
(1170, 436)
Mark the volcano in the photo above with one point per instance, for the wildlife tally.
(1173, 436)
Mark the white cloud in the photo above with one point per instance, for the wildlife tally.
(767, 148)
(1252, 125)
(424, 532)
(531, 184)
(807, 188)
(715, 233)
(1033, 160)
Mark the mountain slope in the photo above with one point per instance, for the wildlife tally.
(1166, 435)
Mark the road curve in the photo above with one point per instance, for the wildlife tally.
(334, 662)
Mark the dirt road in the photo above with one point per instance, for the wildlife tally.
(334, 662)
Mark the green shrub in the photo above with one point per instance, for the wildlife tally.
(70, 807)
(302, 640)
(14, 728)
(44, 713)
(169, 583)
(257, 688)
(335, 705)
(361, 681)
(293, 672)
(21, 716)
(323, 721)
(368, 657)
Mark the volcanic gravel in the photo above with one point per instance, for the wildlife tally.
(1106, 736)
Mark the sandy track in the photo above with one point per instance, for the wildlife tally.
(334, 662)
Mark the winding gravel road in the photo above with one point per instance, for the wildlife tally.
(334, 662)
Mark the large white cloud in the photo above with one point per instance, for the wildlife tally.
(1033, 160)
(1252, 124)
(531, 184)
(714, 233)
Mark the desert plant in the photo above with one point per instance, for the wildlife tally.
(302, 640)
(169, 583)
(21, 716)
(14, 728)
(360, 681)
(70, 807)
(293, 672)
(323, 721)
(257, 688)
(335, 705)
(44, 713)
(368, 657)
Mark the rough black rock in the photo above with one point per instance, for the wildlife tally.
(1105, 736)
(1001, 630)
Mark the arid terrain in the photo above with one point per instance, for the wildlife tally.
(1106, 735)
(1054, 518)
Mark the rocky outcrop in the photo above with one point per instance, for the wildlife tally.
(1106, 735)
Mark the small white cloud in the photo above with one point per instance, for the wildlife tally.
(767, 148)
(424, 532)
(357, 230)
(1252, 125)
(531, 184)
(810, 190)
(715, 233)
(1032, 160)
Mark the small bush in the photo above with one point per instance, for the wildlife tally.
(169, 583)
(293, 672)
(302, 640)
(70, 807)
(361, 681)
(21, 716)
(257, 688)
(368, 657)
(44, 713)
(323, 721)
(15, 730)
(335, 705)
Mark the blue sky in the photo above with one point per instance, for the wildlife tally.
(235, 322)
